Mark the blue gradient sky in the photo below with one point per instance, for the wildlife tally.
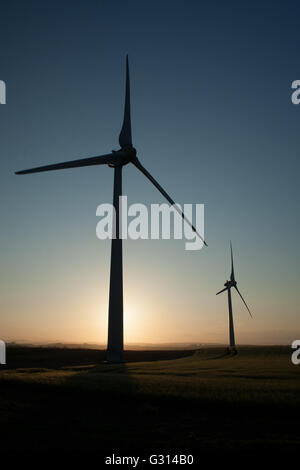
(212, 121)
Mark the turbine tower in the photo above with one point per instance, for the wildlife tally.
(228, 285)
(116, 160)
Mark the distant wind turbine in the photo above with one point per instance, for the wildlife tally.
(117, 159)
(228, 285)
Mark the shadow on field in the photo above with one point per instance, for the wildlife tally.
(57, 358)
(217, 354)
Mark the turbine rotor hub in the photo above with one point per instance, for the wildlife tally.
(123, 156)
(230, 284)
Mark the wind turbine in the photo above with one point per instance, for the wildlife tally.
(116, 159)
(228, 285)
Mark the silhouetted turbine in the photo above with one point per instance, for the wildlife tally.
(228, 285)
(116, 159)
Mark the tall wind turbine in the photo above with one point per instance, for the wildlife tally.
(228, 285)
(117, 159)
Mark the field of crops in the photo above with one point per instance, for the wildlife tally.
(167, 401)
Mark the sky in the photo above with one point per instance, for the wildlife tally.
(212, 120)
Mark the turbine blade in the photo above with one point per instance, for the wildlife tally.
(223, 290)
(125, 134)
(137, 163)
(232, 269)
(243, 301)
(101, 160)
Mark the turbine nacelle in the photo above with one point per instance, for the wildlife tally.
(230, 284)
(125, 155)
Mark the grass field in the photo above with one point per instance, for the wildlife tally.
(159, 401)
